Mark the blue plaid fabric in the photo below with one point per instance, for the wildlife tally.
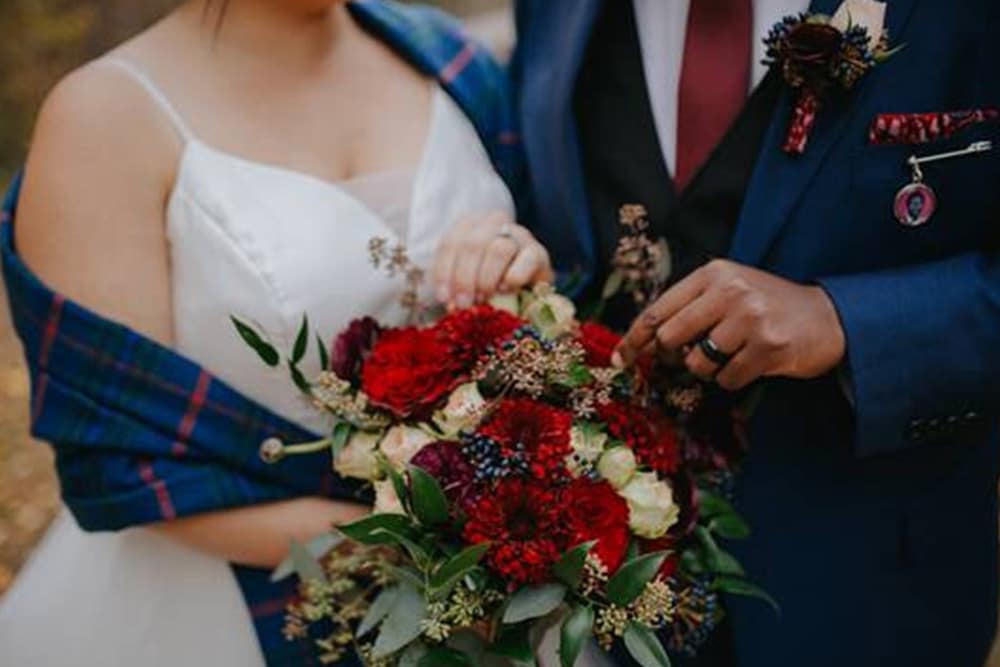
(143, 435)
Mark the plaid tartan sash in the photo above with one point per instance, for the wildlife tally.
(144, 435)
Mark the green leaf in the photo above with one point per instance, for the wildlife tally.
(645, 647)
(398, 483)
(264, 350)
(711, 504)
(301, 342)
(306, 565)
(324, 354)
(514, 643)
(730, 526)
(417, 553)
(452, 570)
(631, 578)
(569, 569)
(370, 530)
(693, 561)
(299, 379)
(381, 606)
(317, 547)
(613, 285)
(737, 586)
(442, 656)
(412, 655)
(578, 376)
(406, 575)
(342, 432)
(402, 625)
(533, 602)
(576, 631)
(714, 558)
(430, 505)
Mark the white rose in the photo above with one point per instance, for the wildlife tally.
(651, 507)
(357, 459)
(463, 410)
(402, 443)
(386, 500)
(550, 313)
(617, 466)
(588, 445)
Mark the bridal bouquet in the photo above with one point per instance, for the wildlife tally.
(520, 483)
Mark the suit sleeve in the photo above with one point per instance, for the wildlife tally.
(923, 346)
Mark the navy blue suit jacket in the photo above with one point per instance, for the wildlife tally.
(875, 523)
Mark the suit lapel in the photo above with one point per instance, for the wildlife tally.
(780, 180)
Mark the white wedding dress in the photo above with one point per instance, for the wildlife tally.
(267, 244)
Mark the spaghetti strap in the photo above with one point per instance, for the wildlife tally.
(144, 80)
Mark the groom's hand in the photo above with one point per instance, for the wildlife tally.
(757, 324)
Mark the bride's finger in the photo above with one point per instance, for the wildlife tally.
(531, 264)
(466, 272)
(444, 267)
(499, 255)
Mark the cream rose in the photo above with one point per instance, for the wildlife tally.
(386, 500)
(463, 410)
(401, 443)
(651, 506)
(617, 466)
(550, 313)
(357, 459)
(588, 445)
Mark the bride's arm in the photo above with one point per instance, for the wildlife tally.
(91, 224)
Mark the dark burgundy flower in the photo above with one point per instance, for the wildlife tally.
(351, 348)
(811, 51)
(445, 462)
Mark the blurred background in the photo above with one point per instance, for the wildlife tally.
(41, 40)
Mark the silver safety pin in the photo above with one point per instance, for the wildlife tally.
(971, 149)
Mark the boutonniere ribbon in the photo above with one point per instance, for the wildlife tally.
(818, 54)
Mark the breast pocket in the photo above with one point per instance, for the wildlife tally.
(965, 194)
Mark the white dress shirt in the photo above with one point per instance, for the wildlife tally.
(662, 26)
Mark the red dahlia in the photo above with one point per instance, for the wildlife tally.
(597, 512)
(540, 431)
(408, 372)
(652, 436)
(599, 342)
(525, 522)
(469, 332)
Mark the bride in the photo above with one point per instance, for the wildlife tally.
(235, 159)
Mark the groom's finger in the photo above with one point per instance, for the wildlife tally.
(742, 369)
(643, 330)
(692, 321)
(729, 337)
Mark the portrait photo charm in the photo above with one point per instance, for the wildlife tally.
(915, 204)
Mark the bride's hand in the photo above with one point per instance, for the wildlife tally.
(482, 256)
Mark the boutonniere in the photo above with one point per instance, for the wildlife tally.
(818, 54)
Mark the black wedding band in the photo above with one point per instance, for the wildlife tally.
(713, 353)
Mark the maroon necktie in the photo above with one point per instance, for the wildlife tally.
(715, 76)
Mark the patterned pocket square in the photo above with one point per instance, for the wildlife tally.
(923, 128)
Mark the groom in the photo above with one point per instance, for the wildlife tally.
(871, 480)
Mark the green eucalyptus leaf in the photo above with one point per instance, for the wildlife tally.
(533, 602)
(738, 586)
(380, 608)
(264, 350)
(417, 553)
(514, 643)
(715, 559)
(430, 505)
(576, 631)
(324, 354)
(569, 569)
(730, 526)
(301, 342)
(454, 569)
(412, 655)
(645, 647)
(306, 565)
(403, 623)
(371, 529)
(318, 547)
(405, 574)
(631, 578)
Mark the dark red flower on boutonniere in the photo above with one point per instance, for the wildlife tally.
(352, 347)
(597, 512)
(409, 371)
(525, 523)
(471, 331)
(815, 57)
